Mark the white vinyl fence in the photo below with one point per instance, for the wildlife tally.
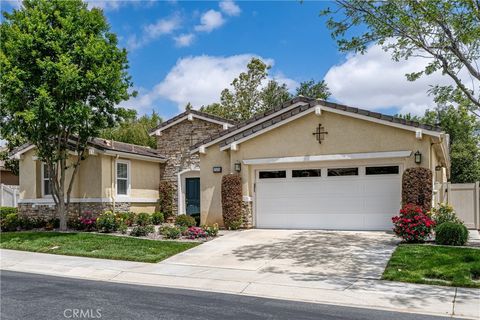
(465, 199)
(8, 195)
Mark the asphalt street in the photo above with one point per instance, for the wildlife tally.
(33, 296)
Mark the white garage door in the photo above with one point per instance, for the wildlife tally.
(345, 198)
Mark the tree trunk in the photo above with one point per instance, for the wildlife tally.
(61, 211)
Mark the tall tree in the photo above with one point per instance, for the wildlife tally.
(312, 89)
(464, 131)
(134, 130)
(61, 77)
(445, 33)
(252, 93)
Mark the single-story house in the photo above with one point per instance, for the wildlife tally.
(304, 164)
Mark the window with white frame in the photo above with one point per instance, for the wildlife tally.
(46, 184)
(123, 178)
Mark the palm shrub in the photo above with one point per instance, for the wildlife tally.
(232, 201)
(451, 234)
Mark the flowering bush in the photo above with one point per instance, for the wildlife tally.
(127, 218)
(195, 233)
(107, 222)
(87, 222)
(211, 231)
(412, 225)
(444, 213)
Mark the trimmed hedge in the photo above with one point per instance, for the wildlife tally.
(6, 210)
(451, 234)
(165, 201)
(232, 200)
(417, 187)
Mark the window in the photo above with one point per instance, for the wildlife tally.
(46, 184)
(306, 173)
(272, 174)
(342, 172)
(381, 170)
(123, 178)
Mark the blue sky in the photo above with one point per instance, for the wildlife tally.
(181, 51)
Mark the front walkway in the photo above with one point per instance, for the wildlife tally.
(270, 280)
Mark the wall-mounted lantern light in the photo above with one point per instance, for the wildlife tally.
(418, 157)
(238, 166)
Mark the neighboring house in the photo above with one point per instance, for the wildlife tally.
(313, 164)
(7, 176)
(305, 164)
(175, 137)
(114, 175)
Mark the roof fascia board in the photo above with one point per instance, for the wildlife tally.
(331, 157)
(156, 132)
(132, 156)
(385, 122)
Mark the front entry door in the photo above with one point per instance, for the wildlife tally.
(192, 195)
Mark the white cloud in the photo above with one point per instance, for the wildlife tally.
(155, 30)
(105, 4)
(230, 8)
(184, 40)
(198, 80)
(374, 81)
(210, 20)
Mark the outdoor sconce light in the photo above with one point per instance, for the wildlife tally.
(418, 157)
(238, 166)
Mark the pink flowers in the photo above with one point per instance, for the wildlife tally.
(195, 233)
(87, 221)
(413, 225)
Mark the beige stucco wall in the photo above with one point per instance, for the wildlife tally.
(94, 179)
(345, 135)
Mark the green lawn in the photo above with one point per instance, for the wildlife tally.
(448, 266)
(93, 245)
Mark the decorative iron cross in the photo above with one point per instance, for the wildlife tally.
(320, 133)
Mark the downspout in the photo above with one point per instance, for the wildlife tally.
(113, 182)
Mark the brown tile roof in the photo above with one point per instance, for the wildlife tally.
(105, 144)
(196, 112)
(309, 103)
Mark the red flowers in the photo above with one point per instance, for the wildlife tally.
(195, 232)
(413, 225)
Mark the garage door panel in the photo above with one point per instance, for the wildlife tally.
(351, 203)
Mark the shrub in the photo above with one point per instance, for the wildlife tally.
(157, 218)
(53, 223)
(122, 227)
(185, 221)
(107, 222)
(142, 231)
(7, 210)
(444, 213)
(195, 233)
(87, 222)
(170, 232)
(10, 222)
(417, 187)
(211, 231)
(412, 225)
(232, 201)
(165, 201)
(451, 234)
(196, 216)
(128, 218)
(143, 219)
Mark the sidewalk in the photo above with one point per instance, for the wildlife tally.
(373, 294)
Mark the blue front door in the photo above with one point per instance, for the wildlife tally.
(192, 195)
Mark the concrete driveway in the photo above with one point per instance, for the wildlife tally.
(305, 255)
